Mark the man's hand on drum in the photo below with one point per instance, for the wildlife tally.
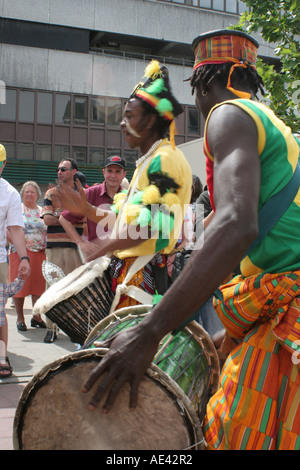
(130, 354)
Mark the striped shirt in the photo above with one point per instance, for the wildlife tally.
(56, 235)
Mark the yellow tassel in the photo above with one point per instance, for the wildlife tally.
(170, 199)
(153, 69)
(173, 132)
(151, 195)
(131, 212)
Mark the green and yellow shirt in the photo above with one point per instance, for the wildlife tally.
(278, 151)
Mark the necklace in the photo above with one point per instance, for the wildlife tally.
(147, 154)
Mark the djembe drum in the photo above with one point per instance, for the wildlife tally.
(53, 414)
(77, 302)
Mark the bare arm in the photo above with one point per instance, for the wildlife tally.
(51, 220)
(18, 239)
(70, 230)
(121, 240)
(87, 248)
(77, 203)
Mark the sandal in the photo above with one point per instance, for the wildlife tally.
(5, 367)
(21, 326)
(38, 323)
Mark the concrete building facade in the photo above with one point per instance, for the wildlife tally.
(68, 66)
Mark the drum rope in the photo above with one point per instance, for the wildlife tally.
(89, 319)
(195, 377)
(164, 347)
(203, 441)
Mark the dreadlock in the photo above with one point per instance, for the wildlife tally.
(246, 77)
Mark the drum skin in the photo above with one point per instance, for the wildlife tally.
(53, 414)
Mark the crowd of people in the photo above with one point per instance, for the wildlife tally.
(253, 264)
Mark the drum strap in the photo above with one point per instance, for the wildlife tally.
(133, 291)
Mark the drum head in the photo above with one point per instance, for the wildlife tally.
(53, 414)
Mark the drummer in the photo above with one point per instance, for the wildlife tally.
(146, 226)
(251, 155)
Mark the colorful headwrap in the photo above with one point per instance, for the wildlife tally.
(157, 92)
(2, 154)
(222, 46)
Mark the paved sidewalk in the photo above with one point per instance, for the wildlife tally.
(28, 354)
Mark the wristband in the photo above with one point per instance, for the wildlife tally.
(25, 257)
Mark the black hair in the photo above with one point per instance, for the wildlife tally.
(246, 77)
(73, 162)
(197, 188)
(81, 177)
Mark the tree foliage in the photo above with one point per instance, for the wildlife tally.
(278, 22)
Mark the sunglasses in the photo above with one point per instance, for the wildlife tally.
(63, 169)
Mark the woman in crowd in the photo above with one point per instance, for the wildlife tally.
(35, 237)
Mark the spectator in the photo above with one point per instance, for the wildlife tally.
(60, 249)
(35, 238)
(10, 218)
(101, 195)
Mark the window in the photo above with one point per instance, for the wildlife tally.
(62, 109)
(8, 111)
(205, 3)
(114, 112)
(61, 152)
(193, 121)
(130, 157)
(113, 151)
(98, 111)
(79, 154)
(96, 156)
(10, 150)
(26, 106)
(25, 151)
(218, 5)
(231, 6)
(43, 152)
(242, 7)
(80, 115)
(44, 108)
